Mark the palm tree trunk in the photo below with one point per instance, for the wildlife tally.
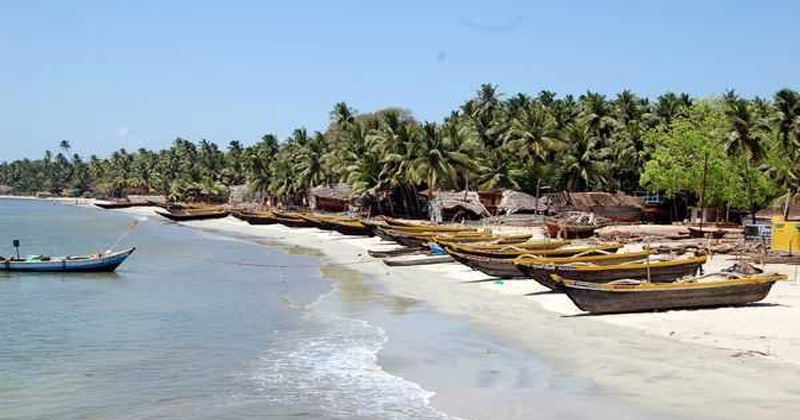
(788, 205)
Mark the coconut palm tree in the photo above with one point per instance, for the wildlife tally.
(747, 131)
(583, 165)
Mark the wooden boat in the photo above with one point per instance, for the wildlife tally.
(352, 227)
(560, 229)
(189, 215)
(432, 228)
(88, 263)
(395, 252)
(409, 260)
(636, 296)
(255, 218)
(479, 238)
(421, 238)
(529, 264)
(121, 204)
(495, 267)
(532, 245)
(654, 271)
(293, 220)
(697, 232)
(511, 251)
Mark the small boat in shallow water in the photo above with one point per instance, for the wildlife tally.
(106, 262)
(637, 296)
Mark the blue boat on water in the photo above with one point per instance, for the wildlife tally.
(106, 262)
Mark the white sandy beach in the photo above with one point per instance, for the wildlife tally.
(716, 363)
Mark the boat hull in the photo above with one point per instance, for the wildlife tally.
(604, 300)
(104, 263)
(494, 267)
(568, 231)
(255, 218)
(655, 272)
(191, 216)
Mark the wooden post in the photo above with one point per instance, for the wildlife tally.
(703, 192)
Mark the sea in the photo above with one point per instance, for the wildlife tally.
(200, 325)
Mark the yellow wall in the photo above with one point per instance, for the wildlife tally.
(785, 235)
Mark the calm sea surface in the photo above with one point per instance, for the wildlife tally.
(197, 325)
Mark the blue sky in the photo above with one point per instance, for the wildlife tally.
(110, 74)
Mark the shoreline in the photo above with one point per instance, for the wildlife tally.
(695, 371)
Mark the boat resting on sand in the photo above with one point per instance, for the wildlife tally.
(255, 218)
(560, 229)
(352, 227)
(697, 232)
(494, 267)
(637, 296)
(529, 264)
(509, 268)
(395, 252)
(654, 271)
(189, 215)
(106, 262)
(409, 260)
(511, 251)
(541, 244)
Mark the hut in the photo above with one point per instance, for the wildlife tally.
(336, 198)
(618, 207)
(6, 190)
(455, 206)
(513, 202)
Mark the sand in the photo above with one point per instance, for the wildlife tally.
(726, 363)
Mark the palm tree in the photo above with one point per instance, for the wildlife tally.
(533, 132)
(583, 165)
(435, 162)
(596, 112)
(787, 102)
(746, 130)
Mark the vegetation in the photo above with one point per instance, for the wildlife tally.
(749, 149)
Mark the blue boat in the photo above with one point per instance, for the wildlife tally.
(107, 262)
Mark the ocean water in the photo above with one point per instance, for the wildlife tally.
(193, 325)
(198, 325)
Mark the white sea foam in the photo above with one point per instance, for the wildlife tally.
(332, 364)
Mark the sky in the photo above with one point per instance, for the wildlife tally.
(112, 74)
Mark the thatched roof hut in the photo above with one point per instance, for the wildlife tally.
(618, 207)
(6, 190)
(519, 202)
(450, 205)
(331, 198)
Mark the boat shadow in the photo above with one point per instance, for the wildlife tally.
(710, 308)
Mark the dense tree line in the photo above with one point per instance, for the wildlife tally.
(749, 149)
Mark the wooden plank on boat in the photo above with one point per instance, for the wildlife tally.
(404, 261)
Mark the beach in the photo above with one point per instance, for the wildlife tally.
(714, 363)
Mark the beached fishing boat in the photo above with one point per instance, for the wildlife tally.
(541, 244)
(560, 229)
(106, 262)
(697, 232)
(351, 227)
(410, 260)
(638, 296)
(255, 218)
(529, 264)
(481, 238)
(421, 238)
(191, 214)
(495, 267)
(395, 252)
(655, 271)
(511, 251)
(293, 220)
